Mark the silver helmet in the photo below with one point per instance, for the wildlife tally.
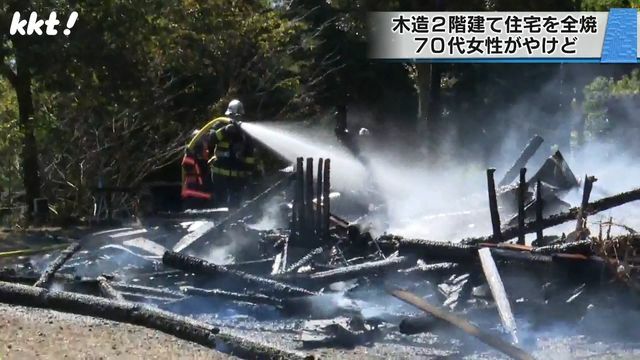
(235, 108)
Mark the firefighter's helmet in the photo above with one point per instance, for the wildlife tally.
(235, 108)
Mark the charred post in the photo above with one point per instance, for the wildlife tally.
(326, 199)
(493, 205)
(528, 151)
(522, 189)
(539, 212)
(308, 201)
(586, 194)
(50, 271)
(298, 203)
(319, 206)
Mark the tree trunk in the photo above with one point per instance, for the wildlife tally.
(30, 173)
(434, 111)
(428, 78)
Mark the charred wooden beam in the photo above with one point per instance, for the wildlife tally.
(305, 259)
(146, 290)
(592, 208)
(576, 247)
(371, 268)
(196, 265)
(528, 151)
(432, 268)
(436, 250)
(522, 192)
(253, 298)
(139, 314)
(521, 256)
(326, 199)
(462, 324)
(493, 203)
(107, 290)
(47, 275)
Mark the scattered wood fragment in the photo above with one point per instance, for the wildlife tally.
(47, 275)
(107, 290)
(499, 294)
(305, 259)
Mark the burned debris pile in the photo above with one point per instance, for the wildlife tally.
(352, 288)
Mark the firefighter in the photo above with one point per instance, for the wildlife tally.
(196, 180)
(234, 162)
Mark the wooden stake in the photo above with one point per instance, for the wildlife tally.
(586, 193)
(299, 198)
(493, 205)
(539, 212)
(318, 217)
(326, 200)
(522, 188)
(308, 201)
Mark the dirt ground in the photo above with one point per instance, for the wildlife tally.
(29, 333)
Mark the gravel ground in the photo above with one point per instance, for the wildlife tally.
(29, 333)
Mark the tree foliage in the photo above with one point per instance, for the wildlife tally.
(611, 107)
(115, 101)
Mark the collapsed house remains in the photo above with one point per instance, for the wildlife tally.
(332, 274)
